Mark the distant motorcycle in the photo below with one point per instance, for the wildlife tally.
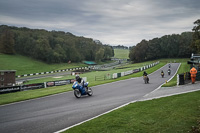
(169, 72)
(162, 74)
(81, 90)
(146, 79)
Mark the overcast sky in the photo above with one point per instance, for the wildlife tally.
(113, 22)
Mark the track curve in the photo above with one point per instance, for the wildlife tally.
(53, 113)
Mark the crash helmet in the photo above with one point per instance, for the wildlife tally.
(77, 77)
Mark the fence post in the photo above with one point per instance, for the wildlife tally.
(177, 79)
(85, 79)
(45, 85)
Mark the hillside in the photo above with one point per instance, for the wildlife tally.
(51, 46)
(25, 65)
(121, 53)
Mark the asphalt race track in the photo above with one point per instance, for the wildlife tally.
(53, 113)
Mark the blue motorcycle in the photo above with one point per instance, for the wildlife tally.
(81, 90)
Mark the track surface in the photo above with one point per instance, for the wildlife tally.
(53, 113)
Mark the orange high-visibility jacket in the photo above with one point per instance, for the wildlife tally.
(193, 72)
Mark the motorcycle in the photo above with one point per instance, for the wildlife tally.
(81, 90)
(169, 72)
(146, 79)
(162, 74)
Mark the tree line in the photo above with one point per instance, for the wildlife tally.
(196, 37)
(52, 46)
(120, 47)
(168, 46)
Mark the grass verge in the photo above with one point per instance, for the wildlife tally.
(165, 115)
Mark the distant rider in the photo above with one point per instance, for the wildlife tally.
(169, 71)
(145, 74)
(162, 73)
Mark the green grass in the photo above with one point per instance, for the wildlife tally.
(31, 94)
(121, 53)
(165, 115)
(25, 65)
(183, 68)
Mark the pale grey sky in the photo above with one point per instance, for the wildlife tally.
(113, 22)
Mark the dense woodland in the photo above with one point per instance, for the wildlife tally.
(168, 46)
(120, 47)
(52, 46)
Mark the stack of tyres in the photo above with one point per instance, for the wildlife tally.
(181, 79)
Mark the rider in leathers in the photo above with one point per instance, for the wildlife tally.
(145, 74)
(80, 82)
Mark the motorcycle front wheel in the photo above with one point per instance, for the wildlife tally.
(77, 93)
(89, 91)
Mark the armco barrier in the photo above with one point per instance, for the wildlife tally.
(35, 86)
(63, 70)
(114, 75)
(136, 70)
(122, 74)
(117, 75)
(38, 85)
(32, 86)
(10, 89)
(128, 72)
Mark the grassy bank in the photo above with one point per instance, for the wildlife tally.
(26, 65)
(165, 115)
(121, 53)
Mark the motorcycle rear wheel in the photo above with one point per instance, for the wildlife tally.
(77, 93)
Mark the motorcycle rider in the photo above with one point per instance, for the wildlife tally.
(169, 71)
(162, 74)
(145, 74)
(80, 82)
